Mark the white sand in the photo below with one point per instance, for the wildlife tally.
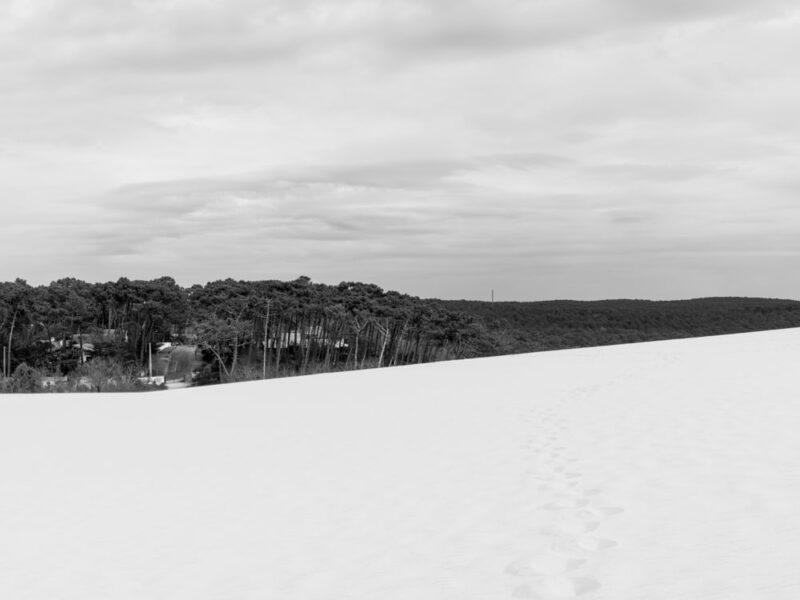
(668, 470)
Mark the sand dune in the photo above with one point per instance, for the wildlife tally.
(666, 470)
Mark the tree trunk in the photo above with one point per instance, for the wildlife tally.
(385, 332)
(264, 353)
(218, 357)
(235, 353)
(278, 342)
(399, 342)
(10, 339)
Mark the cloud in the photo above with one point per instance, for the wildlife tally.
(498, 208)
(436, 145)
(187, 37)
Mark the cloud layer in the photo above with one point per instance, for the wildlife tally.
(540, 148)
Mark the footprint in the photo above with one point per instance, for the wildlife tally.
(576, 527)
(593, 513)
(570, 528)
(525, 591)
(587, 515)
(561, 587)
(611, 510)
(564, 504)
(562, 487)
(595, 544)
(544, 564)
(569, 587)
(582, 546)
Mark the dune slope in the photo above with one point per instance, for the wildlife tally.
(666, 470)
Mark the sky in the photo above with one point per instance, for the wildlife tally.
(539, 148)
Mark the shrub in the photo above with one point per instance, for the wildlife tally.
(24, 380)
(106, 375)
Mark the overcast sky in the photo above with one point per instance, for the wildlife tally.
(541, 148)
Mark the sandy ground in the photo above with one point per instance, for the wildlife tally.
(655, 471)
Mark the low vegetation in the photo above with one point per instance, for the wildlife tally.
(514, 327)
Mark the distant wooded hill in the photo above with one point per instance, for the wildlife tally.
(514, 327)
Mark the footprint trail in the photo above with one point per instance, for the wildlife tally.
(561, 550)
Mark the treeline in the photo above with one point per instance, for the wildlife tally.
(515, 327)
(73, 335)
(243, 329)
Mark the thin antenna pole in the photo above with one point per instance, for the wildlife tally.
(492, 295)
